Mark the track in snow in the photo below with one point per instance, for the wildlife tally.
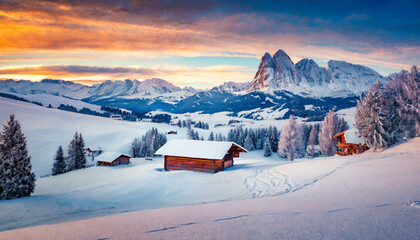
(267, 182)
(273, 182)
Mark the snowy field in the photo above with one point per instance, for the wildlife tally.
(46, 129)
(369, 196)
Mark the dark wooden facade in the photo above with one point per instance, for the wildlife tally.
(121, 160)
(198, 164)
(346, 148)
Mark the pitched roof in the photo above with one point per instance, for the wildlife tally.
(110, 156)
(197, 149)
(352, 137)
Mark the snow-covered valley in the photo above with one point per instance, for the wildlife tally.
(369, 196)
(376, 183)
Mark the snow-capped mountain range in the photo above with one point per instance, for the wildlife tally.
(338, 79)
(280, 87)
(277, 72)
(154, 87)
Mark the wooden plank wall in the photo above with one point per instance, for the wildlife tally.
(193, 164)
(122, 160)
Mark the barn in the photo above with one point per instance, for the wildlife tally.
(350, 143)
(202, 156)
(112, 159)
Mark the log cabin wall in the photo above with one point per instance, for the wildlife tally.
(122, 160)
(193, 164)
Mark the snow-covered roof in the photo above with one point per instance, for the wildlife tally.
(110, 156)
(352, 137)
(196, 148)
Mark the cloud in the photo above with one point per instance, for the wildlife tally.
(179, 75)
(74, 32)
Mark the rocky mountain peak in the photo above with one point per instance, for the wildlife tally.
(339, 79)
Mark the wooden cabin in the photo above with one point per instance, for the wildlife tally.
(202, 156)
(116, 117)
(349, 143)
(112, 159)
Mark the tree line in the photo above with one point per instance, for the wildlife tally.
(148, 144)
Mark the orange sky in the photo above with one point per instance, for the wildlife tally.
(95, 41)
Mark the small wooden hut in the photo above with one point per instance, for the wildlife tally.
(112, 159)
(195, 155)
(350, 143)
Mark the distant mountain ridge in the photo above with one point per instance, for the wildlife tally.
(339, 79)
(125, 89)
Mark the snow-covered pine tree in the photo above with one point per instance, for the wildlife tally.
(241, 138)
(328, 129)
(188, 123)
(136, 147)
(219, 137)
(16, 176)
(311, 141)
(342, 125)
(59, 165)
(211, 137)
(71, 154)
(291, 144)
(80, 152)
(267, 147)
(274, 139)
(249, 145)
(408, 100)
(369, 118)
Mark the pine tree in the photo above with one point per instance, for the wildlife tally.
(16, 176)
(311, 141)
(71, 154)
(291, 143)
(59, 165)
(329, 127)
(80, 152)
(211, 137)
(342, 125)
(369, 118)
(136, 147)
(249, 145)
(267, 147)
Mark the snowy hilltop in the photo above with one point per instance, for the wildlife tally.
(125, 89)
(339, 78)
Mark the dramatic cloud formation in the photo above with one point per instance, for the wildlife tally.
(87, 39)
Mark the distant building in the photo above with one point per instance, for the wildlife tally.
(112, 159)
(350, 143)
(116, 117)
(93, 152)
(147, 120)
(202, 156)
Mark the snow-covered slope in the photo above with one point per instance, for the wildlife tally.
(46, 86)
(46, 129)
(126, 89)
(132, 89)
(370, 196)
(338, 79)
(55, 101)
